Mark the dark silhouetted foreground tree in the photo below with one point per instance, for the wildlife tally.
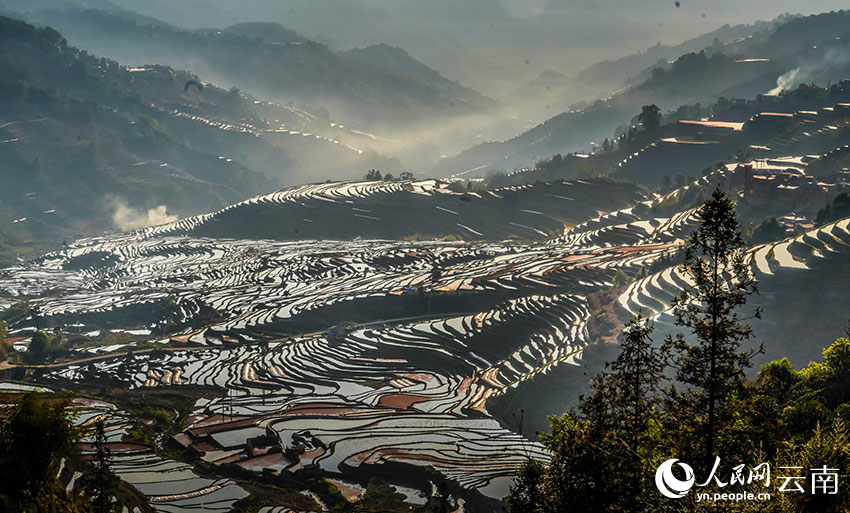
(34, 438)
(102, 483)
(712, 370)
(605, 442)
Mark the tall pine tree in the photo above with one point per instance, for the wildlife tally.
(633, 385)
(712, 369)
(602, 450)
(102, 483)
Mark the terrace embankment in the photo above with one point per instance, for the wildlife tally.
(398, 210)
(408, 306)
(803, 286)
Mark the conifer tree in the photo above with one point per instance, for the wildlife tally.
(527, 493)
(711, 370)
(103, 482)
(634, 382)
(600, 451)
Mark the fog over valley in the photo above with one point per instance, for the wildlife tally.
(516, 64)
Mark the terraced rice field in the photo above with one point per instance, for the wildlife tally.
(307, 390)
(410, 389)
(403, 394)
(396, 210)
(817, 248)
(170, 486)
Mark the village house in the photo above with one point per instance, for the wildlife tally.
(780, 189)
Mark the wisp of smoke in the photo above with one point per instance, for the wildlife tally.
(126, 218)
(809, 71)
(785, 82)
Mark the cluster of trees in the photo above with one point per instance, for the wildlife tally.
(643, 129)
(34, 439)
(373, 175)
(838, 209)
(696, 73)
(768, 230)
(44, 348)
(689, 398)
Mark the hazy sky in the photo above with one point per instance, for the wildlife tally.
(351, 21)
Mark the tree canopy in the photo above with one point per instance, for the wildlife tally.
(650, 118)
(36, 435)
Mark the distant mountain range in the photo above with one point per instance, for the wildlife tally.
(483, 43)
(616, 73)
(554, 91)
(87, 144)
(375, 84)
(806, 49)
